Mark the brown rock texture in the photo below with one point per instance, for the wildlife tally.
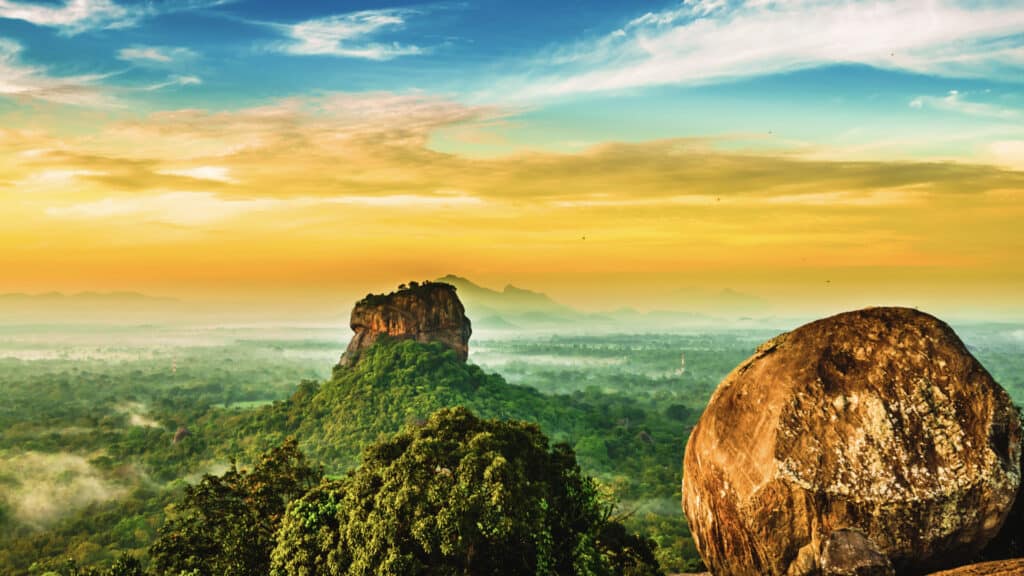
(999, 568)
(878, 423)
(428, 312)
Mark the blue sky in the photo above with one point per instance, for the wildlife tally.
(807, 73)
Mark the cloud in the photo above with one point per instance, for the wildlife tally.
(954, 101)
(870, 198)
(77, 16)
(155, 55)
(175, 80)
(214, 173)
(867, 197)
(25, 81)
(373, 150)
(711, 41)
(74, 16)
(21, 80)
(43, 487)
(1009, 153)
(202, 208)
(183, 208)
(348, 36)
(303, 191)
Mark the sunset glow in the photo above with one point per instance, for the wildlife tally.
(616, 156)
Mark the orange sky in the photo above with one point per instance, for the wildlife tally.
(342, 195)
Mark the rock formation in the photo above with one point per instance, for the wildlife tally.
(181, 434)
(865, 443)
(428, 312)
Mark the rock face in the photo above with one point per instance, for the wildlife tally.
(428, 312)
(865, 443)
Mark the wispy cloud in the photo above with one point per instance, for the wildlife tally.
(155, 55)
(77, 16)
(954, 101)
(175, 80)
(869, 198)
(74, 16)
(351, 35)
(314, 176)
(710, 41)
(185, 208)
(1008, 153)
(21, 80)
(214, 173)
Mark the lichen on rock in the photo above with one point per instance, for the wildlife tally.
(877, 425)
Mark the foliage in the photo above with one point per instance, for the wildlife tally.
(125, 565)
(459, 495)
(626, 440)
(225, 525)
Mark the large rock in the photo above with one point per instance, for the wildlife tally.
(428, 312)
(871, 434)
(998, 568)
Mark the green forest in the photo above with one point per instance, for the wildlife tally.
(111, 459)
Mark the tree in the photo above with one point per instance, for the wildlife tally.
(225, 525)
(125, 565)
(459, 495)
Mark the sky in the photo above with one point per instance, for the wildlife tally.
(816, 154)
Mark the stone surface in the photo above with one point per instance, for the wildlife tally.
(999, 568)
(1009, 543)
(850, 553)
(878, 421)
(428, 312)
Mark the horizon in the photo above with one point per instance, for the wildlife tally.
(724, 309)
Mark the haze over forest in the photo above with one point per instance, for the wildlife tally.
(509, 309)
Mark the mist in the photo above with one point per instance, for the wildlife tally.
(40, 488)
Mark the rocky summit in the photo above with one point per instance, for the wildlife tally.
(871, 442)
(427, 312)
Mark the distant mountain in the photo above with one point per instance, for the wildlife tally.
(726, 301)
(512, 307)
(494, 323)
(516, 308)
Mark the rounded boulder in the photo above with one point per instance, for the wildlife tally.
(871, 442)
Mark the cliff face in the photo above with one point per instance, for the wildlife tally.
(871, 442)
(429, 312)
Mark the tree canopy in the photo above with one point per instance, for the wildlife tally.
(459, 495)
(225, 525)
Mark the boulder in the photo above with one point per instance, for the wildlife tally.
(864, 443)
(428, 312)
(998, 568)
